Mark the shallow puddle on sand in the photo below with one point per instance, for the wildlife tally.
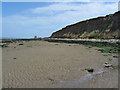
(78, 82)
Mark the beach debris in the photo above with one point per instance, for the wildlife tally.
(14, 58)
(91, 70)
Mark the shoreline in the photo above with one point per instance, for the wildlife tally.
(91, 40)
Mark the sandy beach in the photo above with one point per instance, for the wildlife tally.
(42, 64)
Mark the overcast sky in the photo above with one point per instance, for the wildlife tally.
(27, 19)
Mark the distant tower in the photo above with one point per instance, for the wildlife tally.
(35, 37)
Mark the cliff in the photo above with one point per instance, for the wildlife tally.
(107, 27)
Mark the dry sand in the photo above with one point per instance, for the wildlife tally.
(40, 64)
(0, 68)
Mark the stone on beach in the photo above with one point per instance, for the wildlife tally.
(107, 64)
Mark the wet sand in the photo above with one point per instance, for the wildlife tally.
(41, 64)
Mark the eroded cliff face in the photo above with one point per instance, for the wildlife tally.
(102, 27)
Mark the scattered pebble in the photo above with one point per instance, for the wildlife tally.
(110, 67)
(20, 44)
(50, 79)
(91, 70)
(107, 65)
(106, 62)
(110, 59)
(115, 56)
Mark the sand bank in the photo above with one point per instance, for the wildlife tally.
(41, 64)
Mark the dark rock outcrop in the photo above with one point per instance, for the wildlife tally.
(107, 27)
